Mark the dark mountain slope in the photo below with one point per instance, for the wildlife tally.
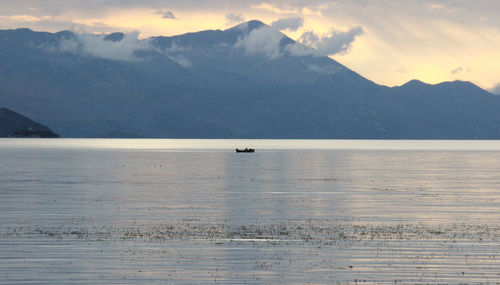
(208, 85)
(13, 124)
(449, 110)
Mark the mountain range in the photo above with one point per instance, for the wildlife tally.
(249, 81)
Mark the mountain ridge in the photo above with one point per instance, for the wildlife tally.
(117, 36)
(223, 84)
(16, 125)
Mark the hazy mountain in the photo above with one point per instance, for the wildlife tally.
(249, 81)
(13, 124)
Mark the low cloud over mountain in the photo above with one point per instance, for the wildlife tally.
(332, 43)
(260, 40)
(123, 48)
(267, 40)
(264, 41)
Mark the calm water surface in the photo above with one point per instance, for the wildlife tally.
(194, 211)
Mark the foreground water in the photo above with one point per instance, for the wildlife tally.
(193, 211)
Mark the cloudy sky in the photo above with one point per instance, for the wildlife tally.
(391, 41)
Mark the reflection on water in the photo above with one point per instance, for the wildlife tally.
(190, 211)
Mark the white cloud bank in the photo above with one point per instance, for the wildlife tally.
(121, 48)
(332, 43)
(267, 40)
(262, 41)
(176, 53)
(97, 46)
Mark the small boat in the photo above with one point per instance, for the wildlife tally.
(245, 150)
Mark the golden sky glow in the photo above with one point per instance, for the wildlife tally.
(432, 41)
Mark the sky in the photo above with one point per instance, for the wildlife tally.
(387, 41)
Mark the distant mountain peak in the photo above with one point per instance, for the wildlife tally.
(66, 34)
(24, 30)
(462, 82)
(248, 26)
(414, 82)
(464, 85)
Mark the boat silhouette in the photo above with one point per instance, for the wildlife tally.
(245, 150)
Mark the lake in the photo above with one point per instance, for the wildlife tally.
(98, 211)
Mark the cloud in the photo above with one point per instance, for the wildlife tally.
(496, 90)
(176, 53)
(117, 46)
(262, 41)
(460, 70)
(332, 43)
(167, 14)
(23, 18)
(275, 8)
(96, 46)
(298, 49)
(234, 19)
(181, 59)
(97, 8)
(175, 48)
(267, 41)
(312, 12)
(291, 24)
(435, 6)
